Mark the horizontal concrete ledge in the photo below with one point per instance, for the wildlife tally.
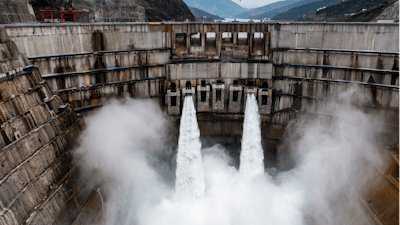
(338, 81)
(335, 50)
(97, 53)
(89, 107)
(108, 83)
(319, 114)
(339, 67)
(75, 73)
(188, 23)
(17, 72)
(183, 61)
(327, 99)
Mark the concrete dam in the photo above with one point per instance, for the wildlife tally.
(303, 76)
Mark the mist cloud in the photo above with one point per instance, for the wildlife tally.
(319, 182)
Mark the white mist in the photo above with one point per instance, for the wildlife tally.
(321, 186)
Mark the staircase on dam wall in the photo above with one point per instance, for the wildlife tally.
(38, 179)
(294, 70)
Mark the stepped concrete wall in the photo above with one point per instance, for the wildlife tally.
(37, 133)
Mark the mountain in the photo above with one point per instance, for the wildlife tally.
(222, 8)
(199, 12)
(355, 11)
(390, 13)
(264, 9)
(297, 12)
(16, 11)
(272, 13)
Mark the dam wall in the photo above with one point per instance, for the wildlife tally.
(53, 39)
(292, 67)
(295, 70)
(354, 36)
(37, 133)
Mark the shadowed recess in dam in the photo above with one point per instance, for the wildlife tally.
(189, 169)
(127, 142)
(251, 155)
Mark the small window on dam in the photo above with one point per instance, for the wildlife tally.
(264, 100)
(173, 100)
(242, 38)
(203, 96)
(173, 87)
(265, 84)
(180, 41)
(203, 83)
(218, 95)
(195, 39)
(227, 38)
(211, 42)
(235, 96)
(188, 85)
(258, 35)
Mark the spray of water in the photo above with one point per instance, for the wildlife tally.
(251, 155)
(189, 170)
(321, 186)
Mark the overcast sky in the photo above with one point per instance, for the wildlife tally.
(254, 3)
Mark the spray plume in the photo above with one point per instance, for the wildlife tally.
(319, 185)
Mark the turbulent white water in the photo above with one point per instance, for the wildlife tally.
(126, 151)
(251, 156)
(189, 169)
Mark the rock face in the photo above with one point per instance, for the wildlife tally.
(120, 10)
(158, 10)
(16, 11)
(390, 13)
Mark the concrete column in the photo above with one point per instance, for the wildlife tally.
(235, 38)
(235, 106)
(262, 94)
(218, 106)
(173, 40)
(188, 43)
(266, 45)
(203, 106)
(218, 39)
(203, 42)
(173, 110)
(250, 37)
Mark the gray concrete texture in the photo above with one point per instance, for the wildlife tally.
(35, 141)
